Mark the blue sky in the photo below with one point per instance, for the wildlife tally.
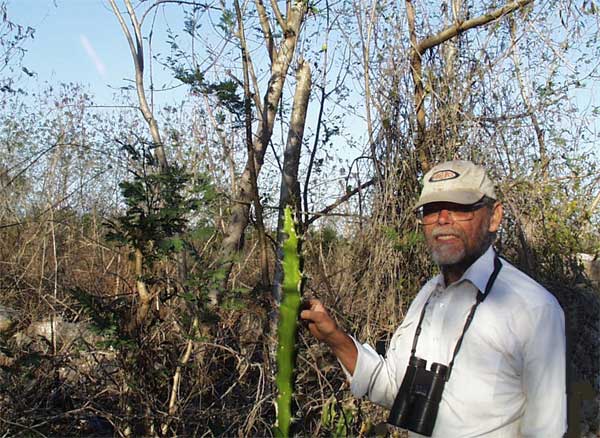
(77, 41)
(81, 41)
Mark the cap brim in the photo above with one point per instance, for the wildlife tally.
(463, 197)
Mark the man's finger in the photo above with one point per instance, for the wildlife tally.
(307, 314)
(316, 304)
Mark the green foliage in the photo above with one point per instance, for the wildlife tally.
(556, 223)
(225, 91)
(227, 22)
(408, 241)
(106, 320)
(158, 207)
(327, 236)
(157, 221)
(288, 324)
(337, 419)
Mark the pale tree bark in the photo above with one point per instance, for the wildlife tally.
(144, 296)
(418, 49)
(137, 52)
(262, 238)
(365, 40)
(290, 188)
(594, 204)
(264, 24)
(450, 94)
(539, 132)
(419, 91)
(243, 198)
(183, 361)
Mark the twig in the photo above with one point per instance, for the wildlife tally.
(341, 200)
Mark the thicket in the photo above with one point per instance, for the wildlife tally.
(113, 376)
(122, 316)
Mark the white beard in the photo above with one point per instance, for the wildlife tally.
(442, 257)
(446, 255)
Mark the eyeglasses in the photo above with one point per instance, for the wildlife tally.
(430, 213)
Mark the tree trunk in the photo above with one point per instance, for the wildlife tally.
(290, 188)
(240, 209)
(539, 132)
(144, 296)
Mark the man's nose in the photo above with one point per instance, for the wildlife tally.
(445, 217)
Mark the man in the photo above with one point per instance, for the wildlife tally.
(507, 375)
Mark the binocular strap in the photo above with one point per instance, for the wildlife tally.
(480, 297)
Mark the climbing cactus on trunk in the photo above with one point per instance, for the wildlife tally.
(288, 324)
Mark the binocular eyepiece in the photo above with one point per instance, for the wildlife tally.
(417, 402)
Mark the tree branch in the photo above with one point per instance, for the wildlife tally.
(324, 95)
(266, 27)
(278, 16)
(251, 152)
(419, 93)
(455, 29)
(366, 54)
(178, 2)
(137, 52)
(528, 106)
(138, 34)
(341, 200)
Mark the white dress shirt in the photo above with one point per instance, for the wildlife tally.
(508, 378)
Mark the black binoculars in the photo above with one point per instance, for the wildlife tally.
(416, 405)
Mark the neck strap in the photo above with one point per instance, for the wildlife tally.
(480, 297)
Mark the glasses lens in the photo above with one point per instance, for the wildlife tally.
(427, 216)
(462, 215)
(430, 213)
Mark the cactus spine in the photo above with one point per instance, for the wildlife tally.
(288, 324)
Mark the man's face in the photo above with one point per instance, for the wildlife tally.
(453, 242)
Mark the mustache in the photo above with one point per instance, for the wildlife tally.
(446, 232)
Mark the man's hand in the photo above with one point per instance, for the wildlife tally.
(320, 324)
(323, 327)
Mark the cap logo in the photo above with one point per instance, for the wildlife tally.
(443, 175)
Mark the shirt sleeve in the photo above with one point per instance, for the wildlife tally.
(544, 379)
(379, 377)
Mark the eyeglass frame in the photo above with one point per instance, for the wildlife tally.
(462, 208)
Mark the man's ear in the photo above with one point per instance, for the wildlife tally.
(496, 218)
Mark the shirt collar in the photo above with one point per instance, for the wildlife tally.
(478, 273)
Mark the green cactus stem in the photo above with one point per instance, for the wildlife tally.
(288, 325)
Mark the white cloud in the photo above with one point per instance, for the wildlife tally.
(89, 49)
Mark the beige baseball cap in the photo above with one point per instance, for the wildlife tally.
(458, 181)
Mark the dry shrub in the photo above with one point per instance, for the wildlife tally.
(367, 276)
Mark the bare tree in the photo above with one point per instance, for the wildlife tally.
(13, 37)
(418, 49)
(290, 187)
(136, 47)
(290, 26)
